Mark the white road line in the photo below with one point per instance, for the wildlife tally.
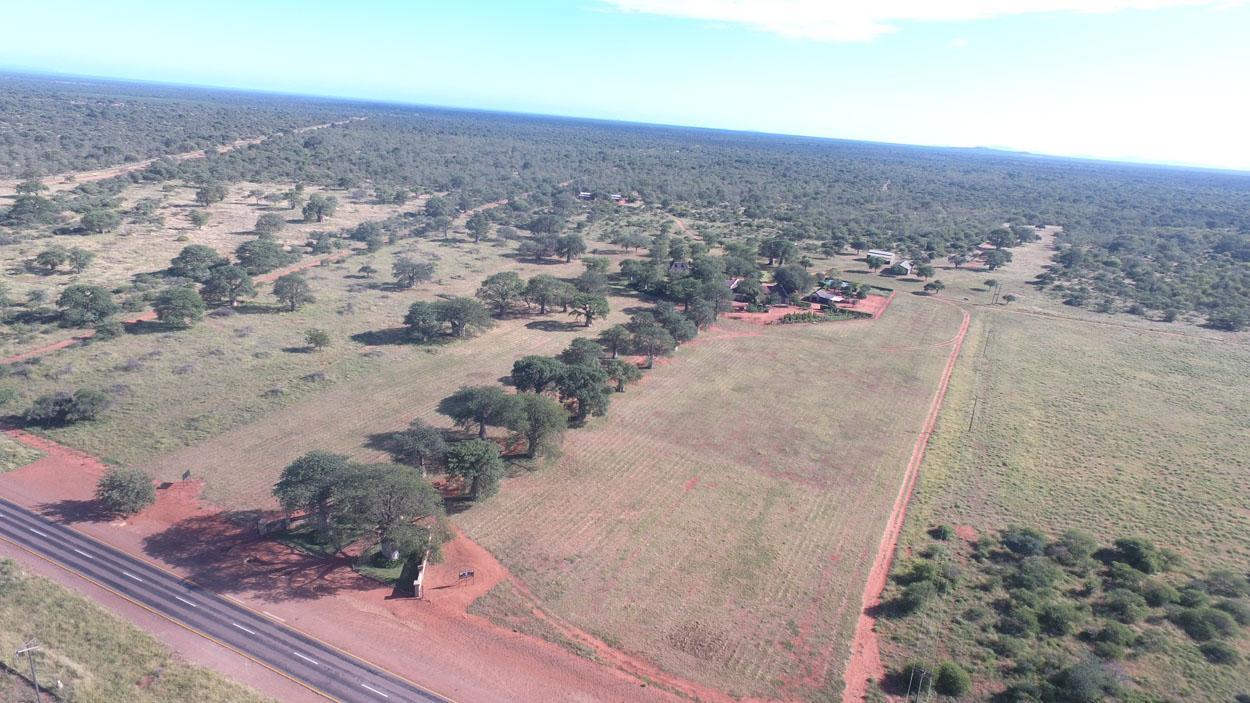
(184, 600)
(307, 659)
(236, 600)
(127, 574)
(243, 628)
(41, 534)
(79, 551)
(275, 617)
(371, 688)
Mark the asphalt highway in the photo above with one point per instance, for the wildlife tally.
(320, 667)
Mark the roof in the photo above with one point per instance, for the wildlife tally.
(732, 282)
(827, 295)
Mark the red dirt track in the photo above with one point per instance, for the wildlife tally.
(865, 663)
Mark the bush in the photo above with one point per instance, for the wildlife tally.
(1024, 541)
(1073, 548)
(914, 597)
(63, 408)
(1229, 584)
(1018, 620)
(1117, 633)
(942, 532)
(1204, 623)
(1123, 605)
(952, 680)
(125, 491)
(1058, 619)
(1035, 573)
(1083, 683)
(1220, 653)
(109, 329)
(1237, 609)
(1140, 554)
(1158, 594)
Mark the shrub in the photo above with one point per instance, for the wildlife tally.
(1018, 620)
(1073, 548)
(942, 532)
(1203, 623)
(1083, 683)
(109, 329)
(952, 680)
(1158, 594)
(1237, 609)
(1108, 650)
(1036, 573)
(125, 491)
(63, 408)
(317, 338)
(1229, 584)
(1024, 541)
(1058, 618)
(914, 597)
(1123, 605)
(1140, 554)
(1116, 633)
(1220, 653)
(1193, 595)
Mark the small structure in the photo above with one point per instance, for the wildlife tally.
(732, 283)
(906, 266)
(617, 197)
(886, 256)
(678, 268)
(585, 195)
(825, 297)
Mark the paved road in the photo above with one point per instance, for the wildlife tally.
(326, 670)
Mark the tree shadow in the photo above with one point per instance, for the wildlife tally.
(388, 336)
(862, 272)
(553, 326)
(75, 511)
(223, 552)
(298, 350)
(147, 327)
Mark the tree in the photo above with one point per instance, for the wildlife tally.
(381, 497)
(923, 270)
(542, 290)
(952, 680)
(317, 338)
(409, 272)
(476, 461)
(478, 225)
(541, 420)
(651, 338)
(463, 315)
(501, 291)
(422, 321)
(30, 186)
(570, 245)
(256, 194)
(125, 491)
(875, 262)
(588, 307)
(198, 218)
(622, 372)
(1001, 238)
(195, 262)
(438, 207)
(82, 305)
(269, 223)
(66, 408)
(262, 254)
(957, 260)
(179, 306)
(935, 286)
(581, 352)
(80, 259)
(293, 290)
(209, 194)
(294, 199)
(536, 373)
(794, 279)
(320, 207)
(225, 285)
(996, 259)
(685, 291)
(308, 484)
(100, 221)
(615, 339)
(480, 406)
(587, 385)
(778, 250)
(52, 258)
(420, 445)
(545, 224)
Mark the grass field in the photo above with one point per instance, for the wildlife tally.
(14, 454)
(1119, 431)
(147, 248)
(93, 653)
(720, 523)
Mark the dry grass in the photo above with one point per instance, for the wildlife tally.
(93, 653)
(143, 248)
(14, 454)
(721, 521)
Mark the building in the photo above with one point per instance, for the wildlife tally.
(585, 195)
(906, 266)
(825, 297)
(887, 256)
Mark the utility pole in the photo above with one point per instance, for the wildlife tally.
(29, 648)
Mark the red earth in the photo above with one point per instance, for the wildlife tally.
(865, 664)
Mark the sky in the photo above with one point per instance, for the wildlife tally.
(1142, 80)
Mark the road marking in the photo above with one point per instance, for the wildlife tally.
(307, 659)
(41, 534)
(250, 632)
(236, 600)
(275, 617)
(184, 600)
(127, 574)
(371, 688)
(79, 551)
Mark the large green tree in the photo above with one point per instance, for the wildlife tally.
(82, 305)
(587, 386)
(536, 373)
(476, 461)
(196, 262)
(588, 307)
(293, 290)
(541, 420)
(226, 285)
(464, 315)
(309, 483)
(179, 306)
(501, 291)
(479, 406)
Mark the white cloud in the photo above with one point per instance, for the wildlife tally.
(957, 43)
(865, 20)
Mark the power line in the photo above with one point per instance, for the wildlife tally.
(29, 647)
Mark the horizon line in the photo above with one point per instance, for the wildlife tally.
(29, 72)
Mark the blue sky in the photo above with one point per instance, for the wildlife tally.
(1149, 80)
